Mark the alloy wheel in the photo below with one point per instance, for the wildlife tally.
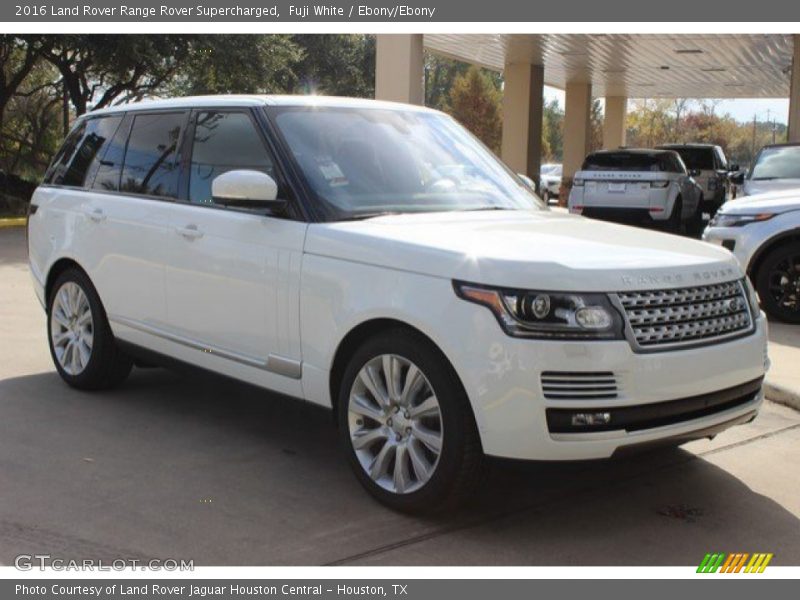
(784, 283)
(72, 328)
(395, 424)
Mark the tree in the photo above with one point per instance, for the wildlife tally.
(552, 131)
(98, 70)
(475, 102)
(18, 57)
(227, 64)
(335, 65)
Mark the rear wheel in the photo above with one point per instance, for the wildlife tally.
(81, 343)
(695, 225)
(675, 223)
(778, 283)
(406, 425)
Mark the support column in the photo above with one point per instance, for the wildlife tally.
(614, 122)
(577, 134)
(523, 100)
(794, 94)
(399, 68)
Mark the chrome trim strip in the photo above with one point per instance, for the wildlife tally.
(279, 365)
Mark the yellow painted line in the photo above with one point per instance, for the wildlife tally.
(13, 222)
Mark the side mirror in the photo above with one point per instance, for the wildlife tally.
(733, 167)
(694, 172)
(246, 189)
(738, 178)
(528, 181)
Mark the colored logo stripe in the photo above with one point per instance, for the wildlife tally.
(735, 562)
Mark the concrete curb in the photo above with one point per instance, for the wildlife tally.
(13, 222)
(782, 395)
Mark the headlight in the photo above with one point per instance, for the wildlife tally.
(735, 220)
(547, 315)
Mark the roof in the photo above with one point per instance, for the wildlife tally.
(684, 65)
(259, 100)
(689, 145)
(644, 151)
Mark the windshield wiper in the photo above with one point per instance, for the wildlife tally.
(764, 178)
(486, 208)
(372, 215)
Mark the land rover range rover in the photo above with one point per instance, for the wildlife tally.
(375, 259)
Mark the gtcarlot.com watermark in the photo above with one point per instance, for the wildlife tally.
(29, 562)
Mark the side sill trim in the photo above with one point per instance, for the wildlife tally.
(279, 365)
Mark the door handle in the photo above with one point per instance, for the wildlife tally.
(97, 215)
(190, 232)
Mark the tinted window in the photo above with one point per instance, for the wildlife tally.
(722, 160)
(82, 151)
(105, 172)
(632, 161)
(151, 166)
(697, 158)
(781, 162)
(224, 141)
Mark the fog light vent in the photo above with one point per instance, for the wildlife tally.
(571, 385)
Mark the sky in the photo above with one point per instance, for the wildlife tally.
(741, 109)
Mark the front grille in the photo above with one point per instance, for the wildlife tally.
(687, 316)
(569, 385)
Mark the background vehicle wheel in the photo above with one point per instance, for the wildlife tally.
(675, 223)
(778, 283)
(406, 424)
(81, 342)
(546, 196)
(696, 223)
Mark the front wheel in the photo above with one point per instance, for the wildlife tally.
(675, 222)
(406, 425)
(778, 283)
(81, 343)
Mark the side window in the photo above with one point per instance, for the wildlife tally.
(82, 153)
(722, 161)
(151, 166)
(224, 141)
(55, 173)
(105, 171)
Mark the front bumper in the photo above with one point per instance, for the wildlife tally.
(503, 379)
(742, 241)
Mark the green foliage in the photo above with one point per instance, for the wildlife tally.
(475, 102)
(335, 65)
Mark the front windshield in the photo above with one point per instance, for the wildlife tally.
(362, 162)
(780, 162)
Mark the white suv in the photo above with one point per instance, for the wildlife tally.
(375, 259)
(638, 186)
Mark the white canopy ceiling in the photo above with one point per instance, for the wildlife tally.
(636, 66)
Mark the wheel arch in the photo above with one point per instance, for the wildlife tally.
(785, 237)
(56, 269)
(358, 335)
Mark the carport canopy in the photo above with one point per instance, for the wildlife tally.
(616, 67)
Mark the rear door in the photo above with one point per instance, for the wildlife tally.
(133, 187)
(233, 274)
(619, 180)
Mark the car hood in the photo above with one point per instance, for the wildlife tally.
(753, 187)
(779, 202)
(546, 250)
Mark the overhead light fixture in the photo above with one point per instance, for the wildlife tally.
(612, 71)
(713, 69)
(664, 67)
(734, 85)
(688, 51)
(646, 84)
(573, 52)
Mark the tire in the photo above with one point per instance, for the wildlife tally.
(81, 343)
(695, 225)
(546, 196)
(379, 423)
(778, 283)
(675, 222)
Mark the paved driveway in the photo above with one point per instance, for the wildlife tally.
(202, 468)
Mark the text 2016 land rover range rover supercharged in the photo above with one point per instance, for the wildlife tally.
(375, 259)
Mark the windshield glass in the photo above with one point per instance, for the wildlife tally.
(361, 162)
(782, 162)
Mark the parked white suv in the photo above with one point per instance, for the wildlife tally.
(775, 168)
(763, 232)
(374, 258)
(712, 168)
(638, 186)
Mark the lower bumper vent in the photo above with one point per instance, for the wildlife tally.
(571, 385)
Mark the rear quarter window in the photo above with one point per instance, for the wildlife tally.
(82, 151)
(151, 159)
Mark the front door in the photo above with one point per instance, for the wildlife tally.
(233, 275)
